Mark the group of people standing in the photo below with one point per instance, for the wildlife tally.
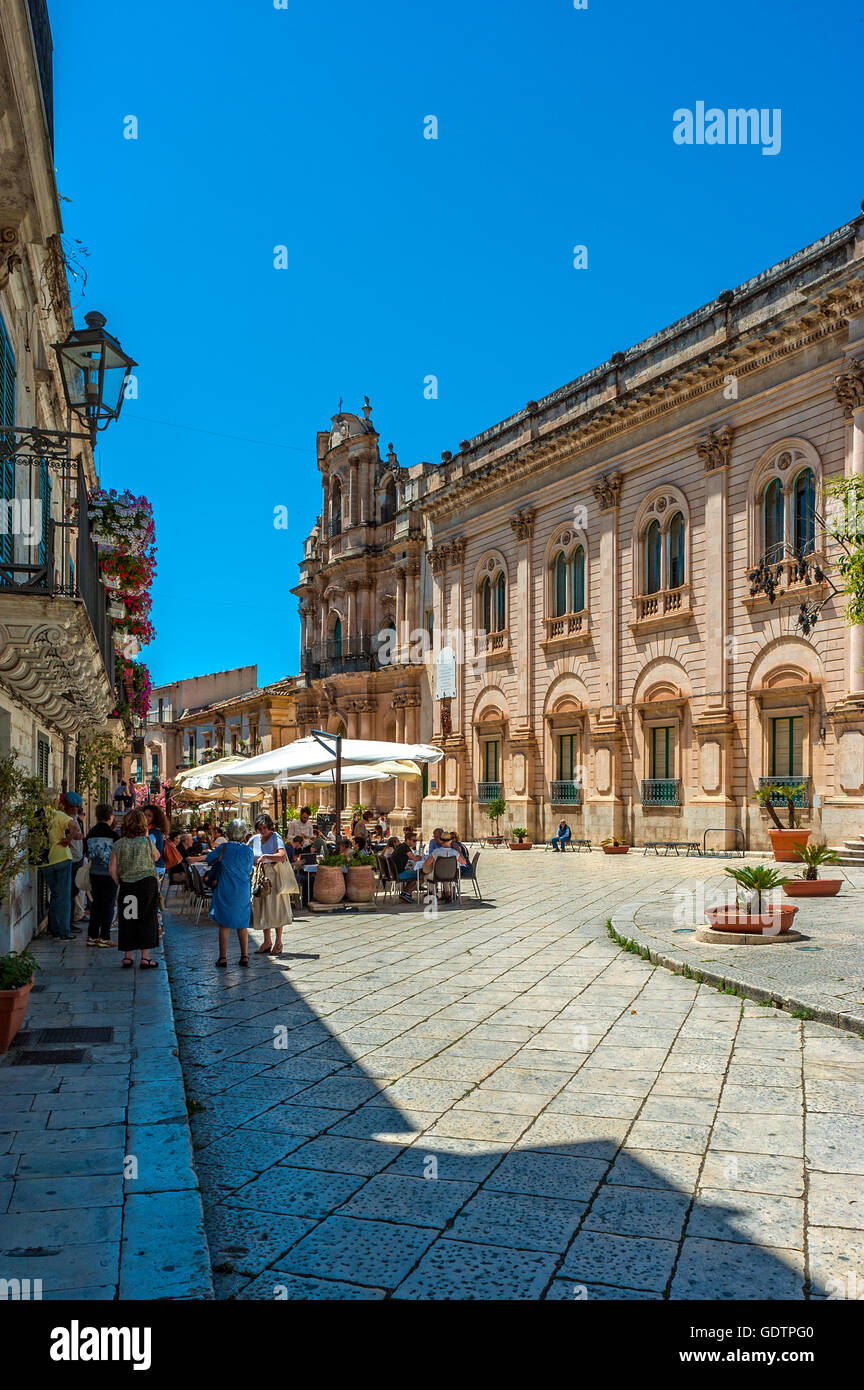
(124, 867)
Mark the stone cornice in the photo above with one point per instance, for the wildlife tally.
(50, 661)
(822, 317)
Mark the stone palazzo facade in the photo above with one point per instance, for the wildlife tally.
(587, 560)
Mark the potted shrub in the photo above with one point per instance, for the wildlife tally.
(810, 885)
(753, 882)
(329, 879)
(520, 840)
(785, 840)
(16, 981)
(360, 878)
(495, 810)
(614, 846)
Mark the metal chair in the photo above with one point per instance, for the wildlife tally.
(472, 877)
(386, 877)
(202, 894)
(445, 870)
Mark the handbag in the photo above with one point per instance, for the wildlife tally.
(211, 878)
(261, 885)
(171, 855)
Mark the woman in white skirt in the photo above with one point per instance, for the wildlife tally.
(273, 886)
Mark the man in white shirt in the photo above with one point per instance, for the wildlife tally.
(303, 826)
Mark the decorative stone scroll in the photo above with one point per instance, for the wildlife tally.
(714, 448)
(849, 388)
(608, 491)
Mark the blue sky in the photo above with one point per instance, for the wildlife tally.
(407, 257)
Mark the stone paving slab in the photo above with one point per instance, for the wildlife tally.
(501, 1103)
(103, 1199)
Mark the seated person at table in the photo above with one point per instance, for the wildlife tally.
(360, 845)
(444, 850)
(561, 836)
(316, 845)
(189, 849)
(298, 846)
(391, 845)
(466, 870)
(404, 859)
(345, 846)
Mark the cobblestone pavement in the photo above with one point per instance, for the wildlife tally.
(500, 1103)
(98, 1195)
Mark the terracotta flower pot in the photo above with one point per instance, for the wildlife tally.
(615, 849)
(13, 1007)
(785, 842)
(359, 883)
(329, 884)
(521, 844)
(813, 887)
(736, 919)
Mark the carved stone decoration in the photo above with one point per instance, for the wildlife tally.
(714, 448)
(457, 550)
(608, 491)
(446, 719)
(523, 523)
(10, 258)
(438, 558)
(849, 388)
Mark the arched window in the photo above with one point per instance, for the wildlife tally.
(500, 604)
(676, 551)
(804, 513)
(773, 520)
(388, 505)
(335, 507)
(486, 604)
(560, 580)
(653, 549)
(577, 580)
(337, 640)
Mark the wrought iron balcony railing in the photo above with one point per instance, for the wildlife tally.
(661, 791)
(566, 793)
(35, 462)
(488, 791)
(800, 797)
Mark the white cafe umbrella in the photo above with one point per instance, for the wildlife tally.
(368, 772)
(306, 755)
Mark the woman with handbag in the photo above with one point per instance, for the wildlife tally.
(273, 884)
(229, 876)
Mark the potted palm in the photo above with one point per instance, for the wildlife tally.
(360, 878)
(16, 982)
(520, 840)
(329, 879)
(810, 885)
(753, 881)
(495, 810)
(614, 846)
(785, 840)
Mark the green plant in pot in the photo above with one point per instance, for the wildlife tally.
(786, 840)
(360, 878)
(16, 981)
(329, 879)
(520, 838)
(495, 810)
(810, 885)
(753, 881)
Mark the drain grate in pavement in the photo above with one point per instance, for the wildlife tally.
(51, 1057)
(45, 1036)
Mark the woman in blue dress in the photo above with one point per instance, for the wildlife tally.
(230, 907)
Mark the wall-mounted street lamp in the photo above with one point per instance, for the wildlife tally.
(95, 370)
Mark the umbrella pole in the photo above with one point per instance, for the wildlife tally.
(338, 788)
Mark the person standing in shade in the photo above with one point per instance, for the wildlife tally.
(99, 845)
(71, 804)
(133, 868)
(230, 907)
(57, 873)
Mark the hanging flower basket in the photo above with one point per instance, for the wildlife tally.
(117, 610)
